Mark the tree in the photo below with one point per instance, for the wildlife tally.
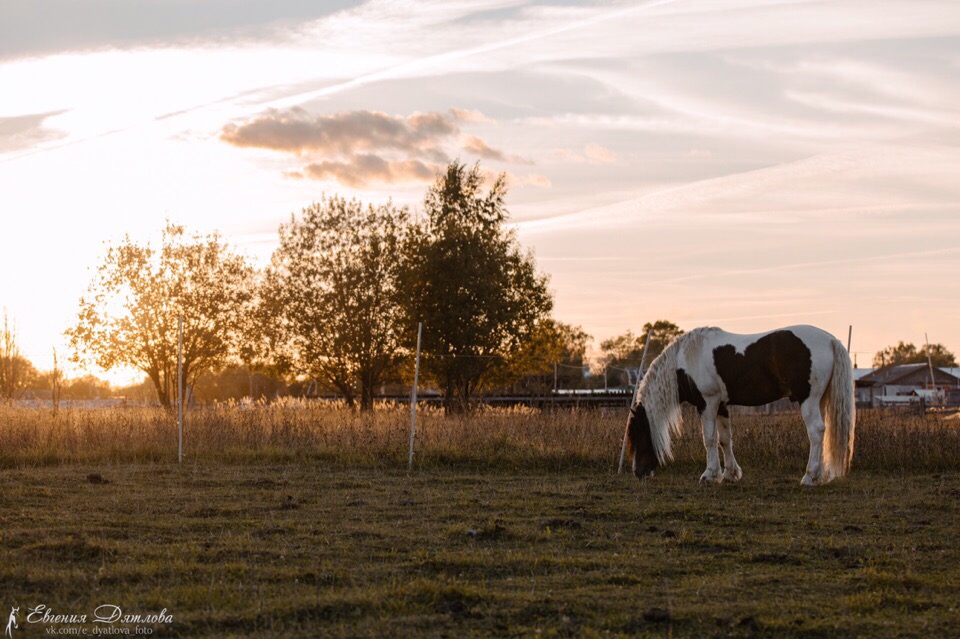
(626, 350)
(531, 366)
(466, 278)
(663, 332)
(575, 341)
(235, 383)
(573, 355)
(16, 372)
(86, 387)
(129, 316)
(939, 355)
(904, 353)
(332, 295)
(553, 353)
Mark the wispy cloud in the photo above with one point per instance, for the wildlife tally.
(592, 153)
(822, 186)
(530, 179)
(475, 146)
(470, 115)
(598, 153)
(361, 170)
(26, 131)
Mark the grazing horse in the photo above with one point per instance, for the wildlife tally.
(712, 369)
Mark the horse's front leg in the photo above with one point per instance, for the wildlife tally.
(709, 420)
(731, 469)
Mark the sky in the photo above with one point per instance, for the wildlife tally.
(748, 164)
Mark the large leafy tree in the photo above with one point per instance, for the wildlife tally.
(129, 317)
(332, 298)
(905, 353)
(465, 276)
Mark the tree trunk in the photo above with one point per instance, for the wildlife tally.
(162, 395)
(366, 399)
(348, 395)
(456, 397)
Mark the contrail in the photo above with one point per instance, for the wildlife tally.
(406, 68)
(801, 265)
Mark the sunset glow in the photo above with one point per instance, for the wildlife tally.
(741, 163)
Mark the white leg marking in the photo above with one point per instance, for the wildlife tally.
(810, 409)
(712, 473)
(731, 469)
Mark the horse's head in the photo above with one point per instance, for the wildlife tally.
(641, 443)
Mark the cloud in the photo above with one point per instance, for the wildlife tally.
(31, 28)
(530, 179)
(360, 170)
(476, 146)
(887, 182)
(345, 133)
(592, 154)
(24, 131)
(356, 148)
(600, 154)
(469, 115)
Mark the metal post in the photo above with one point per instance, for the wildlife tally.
(413, 398)
(849, 338)
(555, 378)
(643, 358)
(180, 390)
(933, 382)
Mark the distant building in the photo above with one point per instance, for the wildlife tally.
(907, 383)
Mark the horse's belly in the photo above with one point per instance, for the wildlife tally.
(756, 391)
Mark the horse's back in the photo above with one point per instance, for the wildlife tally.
(759, 368)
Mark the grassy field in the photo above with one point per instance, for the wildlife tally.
(312, 528)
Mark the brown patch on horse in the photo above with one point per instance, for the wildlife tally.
(641, 443)
(776, 365)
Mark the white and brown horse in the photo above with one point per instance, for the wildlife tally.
(712, 369)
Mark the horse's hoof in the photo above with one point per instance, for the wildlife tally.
(808, 481)
(711, 477)
(734, 474)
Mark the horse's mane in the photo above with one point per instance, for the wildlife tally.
(659, 394)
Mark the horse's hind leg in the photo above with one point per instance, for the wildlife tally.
(810, 409)
(731, 469)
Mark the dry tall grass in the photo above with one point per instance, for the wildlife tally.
(515, 439)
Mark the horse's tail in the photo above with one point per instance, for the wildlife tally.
(839, 413)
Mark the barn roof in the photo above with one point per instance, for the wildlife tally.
(892, 374)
